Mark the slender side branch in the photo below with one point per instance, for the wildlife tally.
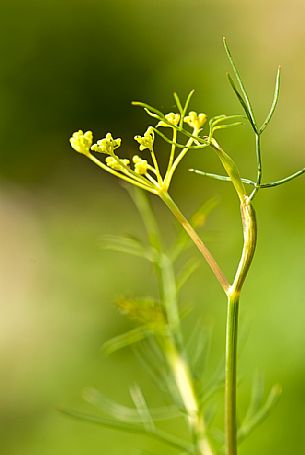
(225, 178)
(197, 240)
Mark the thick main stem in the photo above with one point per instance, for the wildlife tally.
(233, 291)
(230, 375)
(250, 233)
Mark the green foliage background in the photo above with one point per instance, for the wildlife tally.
(70, 64)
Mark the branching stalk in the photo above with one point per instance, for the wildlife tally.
(250, 234)
(170, 335)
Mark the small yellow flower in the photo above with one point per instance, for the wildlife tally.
(146, 141)
(106, 145)
(140, 166)
(114, 164)
(81, 142)
(195, 120)
(172, 118)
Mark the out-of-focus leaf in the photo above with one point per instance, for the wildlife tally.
(126, 339)
(127, 245)
(189, 268)
(126, 413)
(167, 438)
(142, 203)
(198, 220)
(153, 361)
(257, 395)
(144, 309)
(215, 384)
(141, 407)
(198, 348)
(261, 414)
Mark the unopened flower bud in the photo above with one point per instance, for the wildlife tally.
(81, 142)
(141, 166)
(195, 120)
(172, 119)
(115, 163)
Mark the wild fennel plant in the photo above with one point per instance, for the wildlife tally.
(160, 319)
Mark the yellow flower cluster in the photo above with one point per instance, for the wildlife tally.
(106, 145)
(142, 173)
(172, 119)
(140, 166)
(116, 163)
(146, 141)
(195, 120)
(81, 142)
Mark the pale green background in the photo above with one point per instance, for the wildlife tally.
(67, 65)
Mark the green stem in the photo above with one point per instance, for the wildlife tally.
(230, 375)
(259, 164)
(250, 234)
(197, 240)
(181, 155)
(121, 175)
(172, 153)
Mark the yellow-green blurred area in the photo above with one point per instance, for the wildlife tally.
(69, 65)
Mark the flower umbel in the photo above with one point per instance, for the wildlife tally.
(146, 173)
(81, 142)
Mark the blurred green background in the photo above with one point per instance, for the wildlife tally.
(70, 64)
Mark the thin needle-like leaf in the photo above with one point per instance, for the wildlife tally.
(126, 245)
(243, 103)
(220, 118)
(126, 339)
(241, 85)
(162, 436)
(180, 146)
(147, 106)
(178, 103)
(258, 388)
(142, 408)
(248, 426)
(221, 127)
(285, 180)
(125, 413)
(186, 273)
(188, 99)
(143, 205)
(274, 102)
(225, 178)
